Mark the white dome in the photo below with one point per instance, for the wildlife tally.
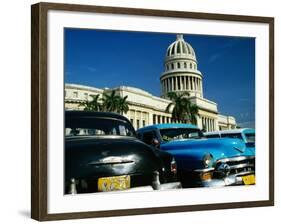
(180, 48)
(180, 70)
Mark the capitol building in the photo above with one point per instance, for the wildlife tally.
(180, 74)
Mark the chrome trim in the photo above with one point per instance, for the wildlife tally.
(72, 187)
(244, 165)
(110, 162)
(234, 159)
(205, 170)
(245, 173)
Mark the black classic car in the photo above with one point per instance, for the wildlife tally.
(102, 154)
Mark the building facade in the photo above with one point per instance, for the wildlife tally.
(180, 75)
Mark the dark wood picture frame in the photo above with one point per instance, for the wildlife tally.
(39, 148)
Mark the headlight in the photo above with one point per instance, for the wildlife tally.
(208, 160)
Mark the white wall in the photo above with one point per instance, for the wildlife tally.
(15, 111)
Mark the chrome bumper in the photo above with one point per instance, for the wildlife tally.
(231, 180)
(166, 186)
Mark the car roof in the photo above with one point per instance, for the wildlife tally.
(72, 113)
(231, 131)
(167, 126)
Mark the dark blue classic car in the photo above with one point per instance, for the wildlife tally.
(102, 153)
(202, 161)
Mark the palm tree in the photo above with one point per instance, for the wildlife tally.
(110, 102)
(192, 113)
(93, 105)
(123, 105)
(183, 110)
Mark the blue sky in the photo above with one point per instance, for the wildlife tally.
(103, 58)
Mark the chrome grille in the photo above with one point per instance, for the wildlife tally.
(240, 165)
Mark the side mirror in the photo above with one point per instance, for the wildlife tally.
(155, 142)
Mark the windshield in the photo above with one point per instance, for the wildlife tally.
(180, 133)
(93, 126)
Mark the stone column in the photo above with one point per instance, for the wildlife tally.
(193, 83)
(169, 84)
(205, 125)
(200, 87)
(180, 84)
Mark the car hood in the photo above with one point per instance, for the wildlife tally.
(194, 149)
(106, 156)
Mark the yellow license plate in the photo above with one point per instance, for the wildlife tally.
(114, 183)
(250, 179)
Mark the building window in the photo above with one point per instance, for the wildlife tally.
(154, 119)
(185, 65)
(190, 65)
(163, 120)
(75, 94)
(138, 124)
(143, 123)
(172, 66)
(179, 65)
(167, 67)
(132, 121)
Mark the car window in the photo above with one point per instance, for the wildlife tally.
(232, 135)
(212, 136)
(147, 137)
(92, 126)
(250, 137)
(180, 133)
(139, 136)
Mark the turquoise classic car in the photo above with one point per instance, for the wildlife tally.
(202, 161)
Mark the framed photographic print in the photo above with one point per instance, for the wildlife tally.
(138, 111)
